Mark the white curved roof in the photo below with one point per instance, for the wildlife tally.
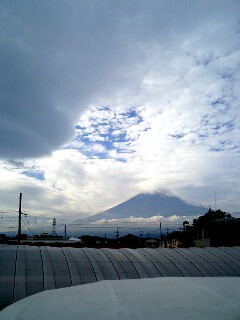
(175, 298)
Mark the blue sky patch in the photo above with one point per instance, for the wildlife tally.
(39, 175)
(105, 131)
(216, 149)
(218, 101)
(177, 136)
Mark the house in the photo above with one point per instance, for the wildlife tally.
(94, 241)
(172, 240)
(151, 243)
(224, 231)
(201, 238)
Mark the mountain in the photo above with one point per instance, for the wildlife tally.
(147, 205)
(235, 214)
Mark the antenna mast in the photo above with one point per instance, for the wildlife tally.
(215, 201)
(19, 217)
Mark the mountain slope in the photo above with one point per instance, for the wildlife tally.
(147, 205)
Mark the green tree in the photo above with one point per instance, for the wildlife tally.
(205, 220)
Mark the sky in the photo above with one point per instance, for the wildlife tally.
(103, 100)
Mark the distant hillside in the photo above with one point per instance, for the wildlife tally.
(235, 214)
(147, 205)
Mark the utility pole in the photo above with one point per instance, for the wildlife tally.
(65, 231)
(54, 227)
(160, 226)
(117, 233)
(19, 217)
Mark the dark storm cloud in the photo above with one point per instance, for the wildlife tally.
(52, 60)
(57, 57)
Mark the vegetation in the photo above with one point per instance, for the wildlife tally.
(204, 221)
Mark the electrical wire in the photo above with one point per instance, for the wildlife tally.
(28, 224)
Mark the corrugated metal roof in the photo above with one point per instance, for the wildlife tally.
(25, 270)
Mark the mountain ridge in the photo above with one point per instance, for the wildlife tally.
(146, 205)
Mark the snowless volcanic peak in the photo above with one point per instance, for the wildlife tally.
(146, 205)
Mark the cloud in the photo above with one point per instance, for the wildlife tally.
(58, 59)
(102, 100)
(152, 221)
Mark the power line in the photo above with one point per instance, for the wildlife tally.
(26, 224)
(8, 217)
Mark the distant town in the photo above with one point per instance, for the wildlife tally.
(213, 229)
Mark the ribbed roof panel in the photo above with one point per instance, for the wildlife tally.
(25, 270)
